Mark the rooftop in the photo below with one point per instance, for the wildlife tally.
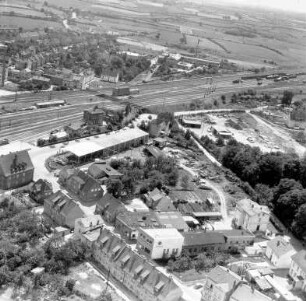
(203, 238)
(221, 275)
(236, 232)
(252, 208)
(245, 292)
(172, 219)
(90, 221)
(139, 219)
(14, 147)
(105, 141)
(300, 259)
(163, 233)
(280, 246)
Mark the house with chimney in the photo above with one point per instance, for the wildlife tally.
(82, 185)
(87, 229)
(62, 210)
(109, 208)
(251, 216)
(158, 201)
(133, 270)
(102, 171)
(40, 190)
(16, 170)
(279, 252)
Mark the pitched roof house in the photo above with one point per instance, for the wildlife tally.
(134, 271)
(297, 270)
(62, 209)
(158, 201)
(40, 190)
(16, 170)
(109, 207)
(251, 216)
(99, 170)
(83, 185)
(279, 252)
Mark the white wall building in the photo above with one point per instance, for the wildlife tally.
(251, 216)
(160, 243)
(298, 270)
(279, 252)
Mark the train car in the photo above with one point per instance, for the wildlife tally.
(121, 91)
(48, 104)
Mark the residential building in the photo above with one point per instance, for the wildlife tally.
(112, 77)
(109, 207)
(279, 252)
(87, 229)
(199, 242)
(84, 186)
(157, 127)
(40, 190)
(74, 129)
(3, 74)
(297, 270)
(251, 216)
(62, 210)
(160, 243)
(237, 239)
(103, 171)
(134, 271)
(219, 283)
(153, 151)
(158, 201)
(16, 170)
(95, 116)
(172, 219)
(128, 223)
(40, 80)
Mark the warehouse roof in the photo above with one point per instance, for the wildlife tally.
(202, 238)
(105, 141)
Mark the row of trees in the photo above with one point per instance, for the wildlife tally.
(154, 172)
(21, 250)
(278, 180)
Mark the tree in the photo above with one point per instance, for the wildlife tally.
(188, 135)
(287, 97)
(185, 182)
(299, 223)
(114, 187)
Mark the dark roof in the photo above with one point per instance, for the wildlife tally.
(111, 204)
(154, 151)
(159, 201)
(172, 219)
(42, 185)
(221, 275)
(96, 169)
(202, 238)
(236, 233)
(63, 204)
(15, 162)
(139, 219)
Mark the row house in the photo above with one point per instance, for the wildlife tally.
(62, 210)
(82, 185)
(133, 271)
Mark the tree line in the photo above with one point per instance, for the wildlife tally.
(274, 179)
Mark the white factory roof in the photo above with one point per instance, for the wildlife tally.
(164, 233)
(105, 141)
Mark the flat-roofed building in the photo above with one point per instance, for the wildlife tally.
(160, 243)
(172, 219)
(107, 144)
(237, 238)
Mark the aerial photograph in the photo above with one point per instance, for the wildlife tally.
(153, 150)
